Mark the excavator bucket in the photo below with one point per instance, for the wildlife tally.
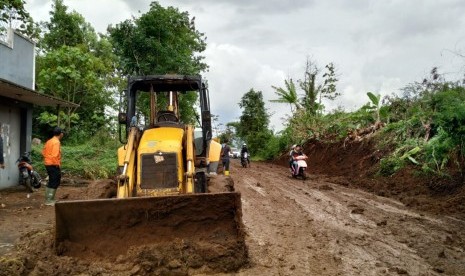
(107, 228)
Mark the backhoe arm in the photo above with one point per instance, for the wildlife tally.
(126, 179)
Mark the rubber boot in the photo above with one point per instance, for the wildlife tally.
(50, 196)
(226, 172)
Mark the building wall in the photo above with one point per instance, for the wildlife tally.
(17, 65)
(17, 60)
(10, 126)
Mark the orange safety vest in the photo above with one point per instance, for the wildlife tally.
(52, 152)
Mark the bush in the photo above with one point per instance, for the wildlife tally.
(390, 165)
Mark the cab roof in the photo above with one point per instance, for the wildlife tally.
(165, 83)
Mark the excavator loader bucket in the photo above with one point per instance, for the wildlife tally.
(107, 228)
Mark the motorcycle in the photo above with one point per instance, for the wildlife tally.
(245, 160)
(27, 176)
(299, 167)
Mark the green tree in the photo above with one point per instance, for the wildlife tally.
(67, 28)
(72, 74)
(314, 90)
(13, 14)
(308, 85)
(229, 134)
(163, 40)
(287, 95)
(253, 124)
(76, 65)
(328, 89)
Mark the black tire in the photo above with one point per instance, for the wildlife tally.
(36, 183)
(303, 174)
(28, 184)
(36, 180)
(200, 183)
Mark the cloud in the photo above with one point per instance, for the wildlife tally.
(235, 73)
(377, 46)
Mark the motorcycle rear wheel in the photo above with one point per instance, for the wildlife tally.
(28, 184)
(303, 174)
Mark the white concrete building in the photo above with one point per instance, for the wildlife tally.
(17, 99)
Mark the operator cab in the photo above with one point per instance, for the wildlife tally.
(153, 102)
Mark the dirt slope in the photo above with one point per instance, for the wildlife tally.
(356, 164)
(293, 227)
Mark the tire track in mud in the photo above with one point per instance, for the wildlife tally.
(314, 227)
(282, 239)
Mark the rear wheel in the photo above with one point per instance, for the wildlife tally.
(28, 184)
(200, 184)
(303, 173)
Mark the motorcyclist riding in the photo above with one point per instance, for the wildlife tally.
(295, 153)
(290, 156)
(243, 151)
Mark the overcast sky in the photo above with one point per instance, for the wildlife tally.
(378, 46)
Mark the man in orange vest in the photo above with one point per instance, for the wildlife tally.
(52, 161)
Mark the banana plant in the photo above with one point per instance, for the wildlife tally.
(376, 104)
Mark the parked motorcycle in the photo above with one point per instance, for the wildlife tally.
(27, 176)
(299, 167)
(245, 160)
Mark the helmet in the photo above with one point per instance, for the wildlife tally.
(244, 144)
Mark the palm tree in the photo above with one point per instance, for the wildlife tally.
(287, 95)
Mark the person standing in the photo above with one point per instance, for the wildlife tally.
(52, 162)
(225, 157)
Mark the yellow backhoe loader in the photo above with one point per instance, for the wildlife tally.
(163, 187)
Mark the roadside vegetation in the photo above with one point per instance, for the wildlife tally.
(423, 126)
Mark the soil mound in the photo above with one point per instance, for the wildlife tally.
(201, 233)
(36, 256)
(356, 164)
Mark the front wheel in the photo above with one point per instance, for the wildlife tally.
(303, 173)
(200, 184)
(36, 180)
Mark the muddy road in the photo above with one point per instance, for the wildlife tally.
(293, 227)
(314, 227)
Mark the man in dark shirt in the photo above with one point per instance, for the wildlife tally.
(225, 157)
